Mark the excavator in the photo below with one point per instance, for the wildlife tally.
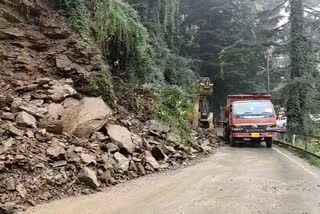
(202, 116)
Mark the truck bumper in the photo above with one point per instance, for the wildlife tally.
(240, 135)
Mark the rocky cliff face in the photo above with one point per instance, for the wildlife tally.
(55, 141)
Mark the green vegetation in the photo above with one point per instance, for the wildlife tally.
(123, 37)
(78, 16)
(300, 87)
(144, 48)
(101, 85)
(235, 43)
(174, 106)
(146, 42)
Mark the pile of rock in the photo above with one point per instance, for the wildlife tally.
(61, 143)
(55, 142)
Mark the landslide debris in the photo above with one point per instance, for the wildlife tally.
(57, 142)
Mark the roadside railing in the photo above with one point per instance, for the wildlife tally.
(305, 143)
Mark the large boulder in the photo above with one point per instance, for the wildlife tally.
(85, 117)
(121, 136)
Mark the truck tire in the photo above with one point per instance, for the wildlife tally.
(269, 142)
(232, 141)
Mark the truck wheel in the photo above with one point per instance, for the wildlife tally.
(269, 142)
(232, 142)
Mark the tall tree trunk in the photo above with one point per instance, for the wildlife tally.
(297, 104)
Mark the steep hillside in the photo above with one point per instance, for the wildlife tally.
(55, 140)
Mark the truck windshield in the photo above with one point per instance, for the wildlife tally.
(253, 109)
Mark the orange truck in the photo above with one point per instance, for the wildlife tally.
(249, 117)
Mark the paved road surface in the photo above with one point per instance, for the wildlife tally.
(238, 180)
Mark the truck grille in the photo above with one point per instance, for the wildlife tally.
(254, 130)
(250, 129)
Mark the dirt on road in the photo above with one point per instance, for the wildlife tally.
(237, 180)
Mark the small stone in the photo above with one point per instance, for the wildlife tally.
(2, 166)
(157, 126)
(168, 149)
(205, 147)
(151, 160)
(54, 111)
(56, 152)
(132, 174)
(14, 131)
(21, 190)
(89, 178)
(86, 191)
(45, 196)
(59, 164)
(7, 116)
(30, 134)
(164, 166)
(25, 119)
(133, 166)
(149, 168)
(11, 184)
(34, 110)
(20, 157)
(7, 208)
(104, 158)
(141, 169)
(111, 147)
(60, 91)
(122, 161)
(174, 138)
(105, 177)
(137, 140)
(78, 149)
(37, 102)
(100, 136)
(88, 159)
(121, 136)
(158, 154)
(6, 146)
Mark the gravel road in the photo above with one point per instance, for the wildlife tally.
(239, 180)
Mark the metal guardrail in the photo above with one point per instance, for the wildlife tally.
(305, 143)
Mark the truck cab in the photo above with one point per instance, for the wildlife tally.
(250, 118)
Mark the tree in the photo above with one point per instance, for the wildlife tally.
(232, 38)
(299, 89)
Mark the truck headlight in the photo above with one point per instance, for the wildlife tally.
(271, 128)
